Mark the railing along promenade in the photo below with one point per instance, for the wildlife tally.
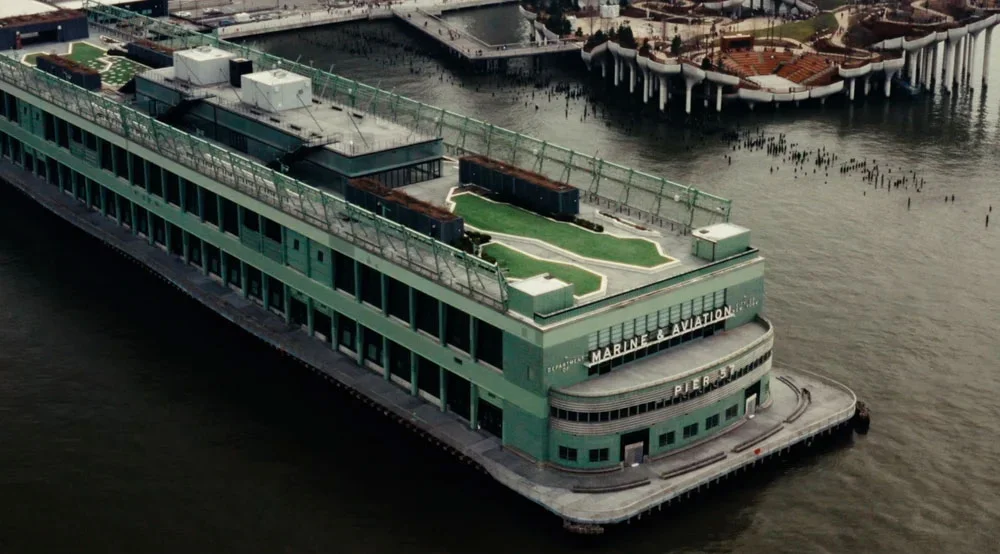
(473, 48)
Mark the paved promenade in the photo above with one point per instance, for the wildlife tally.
(472, 48)
(317, 15)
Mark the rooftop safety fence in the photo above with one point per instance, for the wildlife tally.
(659, 199)
(448, 266)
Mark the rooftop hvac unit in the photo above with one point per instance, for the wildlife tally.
(204, 65)
(276, 90)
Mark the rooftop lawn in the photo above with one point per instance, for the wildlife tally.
(504, 218)
(800, 30)
(114, 70)
(522, 266)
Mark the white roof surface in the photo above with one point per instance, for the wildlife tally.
(539, 284)
(275, 77)
(14, 8)
(720, 231)
(204, 53)
(77, 4)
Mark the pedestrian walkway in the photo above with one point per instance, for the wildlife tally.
(472, 48)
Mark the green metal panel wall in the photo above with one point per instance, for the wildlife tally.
(526, 432)
(523, 363)
(297, 251)
(563, 363)
(321, 262)
(750, 296)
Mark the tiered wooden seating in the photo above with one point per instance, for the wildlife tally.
(803, 67)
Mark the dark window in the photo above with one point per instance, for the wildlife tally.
(666, 439)
(568, 454)
(298, 311)
(372, 346)
(174, 189)
(427, 313)
(732, 412)
(458, 394)
(711, 422)
(272, 230)
(399, 299)
(230, 219)
(210, 206)
(690, 430)
(489, 344)
(295, 244)
(399, 361)
(371, 286)
(191, 198)
(251, 220)
(346, 328)
(428, 376)
(457, 328)
(599, 454)
(319, 256)
(344, 267)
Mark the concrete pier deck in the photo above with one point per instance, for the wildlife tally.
(316, 15)
(802, 405)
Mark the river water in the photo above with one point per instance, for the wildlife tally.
(132, 420)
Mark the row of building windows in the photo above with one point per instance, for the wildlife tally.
(701, 332)
(339, 271)
(689, 431)
(657, 320)
(613, 415)
(594, 455)
(664, 440)
(337, 330)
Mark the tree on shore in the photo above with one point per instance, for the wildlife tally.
(675, 45)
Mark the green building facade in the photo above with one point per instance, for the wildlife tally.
(581, 386)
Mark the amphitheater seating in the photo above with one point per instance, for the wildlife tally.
(803, 67)
(747, 63)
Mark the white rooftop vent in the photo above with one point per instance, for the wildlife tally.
(276, 90)
(204, 65)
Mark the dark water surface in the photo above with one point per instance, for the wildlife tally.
(132, 420)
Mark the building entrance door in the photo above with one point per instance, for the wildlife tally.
(633, 454)
(751, 406)
(634, 446)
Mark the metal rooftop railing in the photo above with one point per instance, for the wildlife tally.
(466, 274)
(655, 196)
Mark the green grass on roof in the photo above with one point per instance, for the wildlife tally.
(523, 266)
(504, 218)
(84, 53)
(800, 30)
(114, 70)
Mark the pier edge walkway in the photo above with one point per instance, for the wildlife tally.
(471, 48)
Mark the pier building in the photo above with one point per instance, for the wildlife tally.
(592, 336)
